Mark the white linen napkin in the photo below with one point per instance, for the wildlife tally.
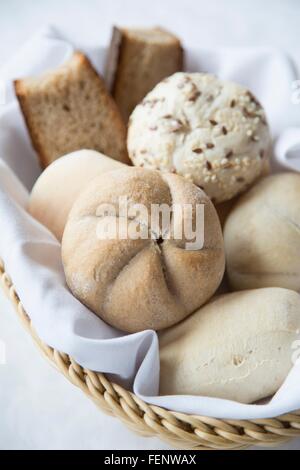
(32, 254)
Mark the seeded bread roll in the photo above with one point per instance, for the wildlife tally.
(142, 283)
(69, 109)
(238, 347)
(138, 59)
(56, 190)
(262, 235)
(212, 132)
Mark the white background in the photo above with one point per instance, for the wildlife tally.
(39, 409)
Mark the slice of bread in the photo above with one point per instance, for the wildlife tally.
(69, 109)
(138, 59)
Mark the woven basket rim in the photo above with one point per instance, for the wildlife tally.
(180, 430)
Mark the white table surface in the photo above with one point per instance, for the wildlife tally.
(39, 409)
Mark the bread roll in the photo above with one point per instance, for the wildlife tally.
(213, 132)
(60, 184)
(262, 235)
(136, 284)
(238, 347)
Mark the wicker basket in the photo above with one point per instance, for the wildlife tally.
(179, 430)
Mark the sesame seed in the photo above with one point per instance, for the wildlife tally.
(207, 179)
(213, 122)
(197, 150)
(208, 165)
(249, 132)
(210, 145)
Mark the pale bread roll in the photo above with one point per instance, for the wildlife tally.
(238, 347)
(139, 284)
(60, 184)
(262, 235)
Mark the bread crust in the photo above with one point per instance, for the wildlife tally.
(20, 91)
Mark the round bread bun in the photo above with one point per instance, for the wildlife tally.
(237, 347)
(262, 235)
(213, 132)
(60, 184)
(142, 283)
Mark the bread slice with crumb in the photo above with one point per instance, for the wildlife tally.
(69, 109)
(137, 60)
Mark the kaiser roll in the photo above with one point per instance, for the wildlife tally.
(152, 281)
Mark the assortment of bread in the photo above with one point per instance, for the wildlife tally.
(195, 142)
